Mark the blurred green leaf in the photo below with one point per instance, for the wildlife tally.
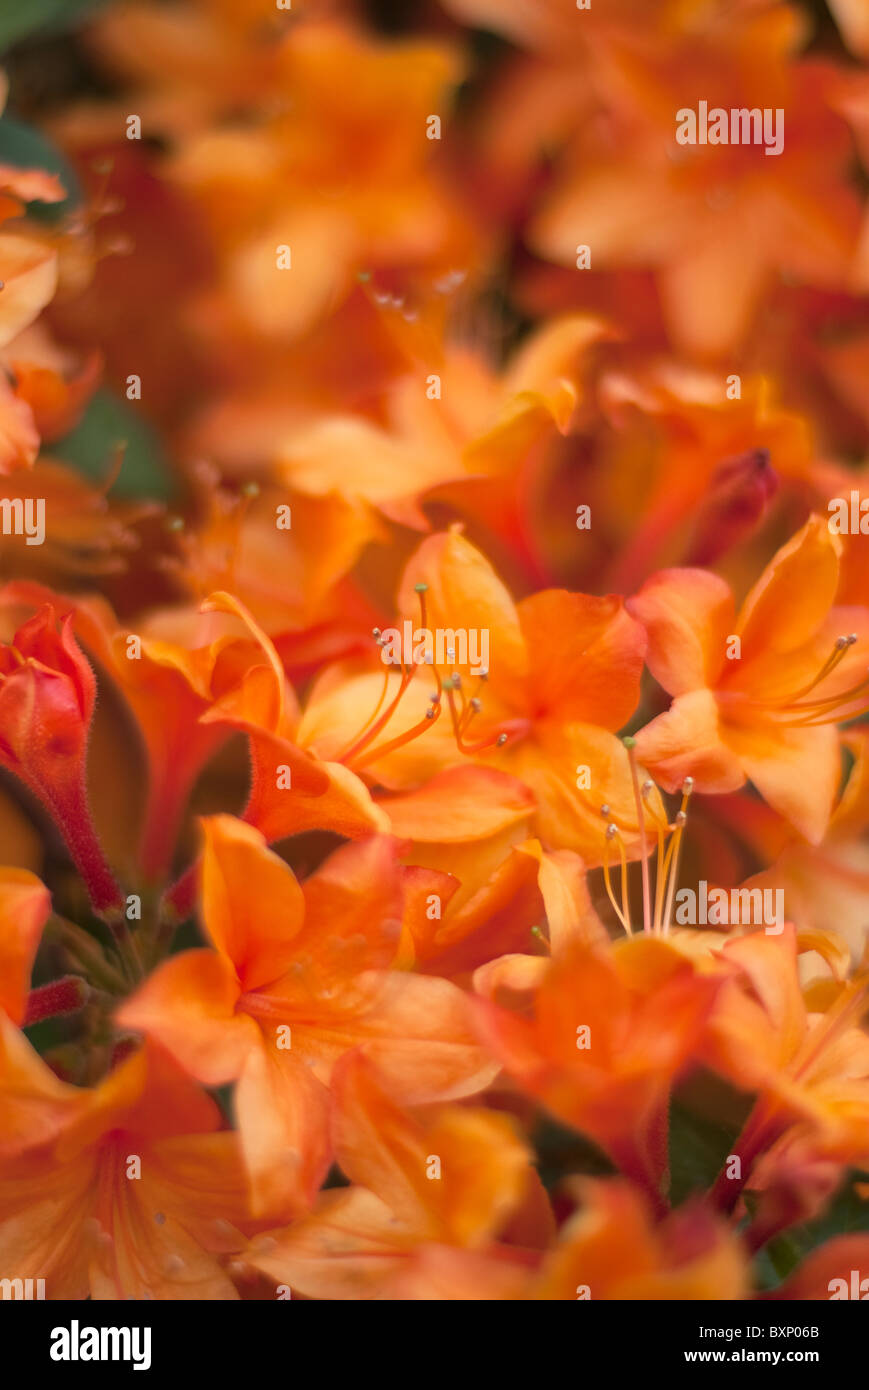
(847, 1215)
(21, 18)
(91, 446)
(26, 148)
(563, 1153)
(699, 1147)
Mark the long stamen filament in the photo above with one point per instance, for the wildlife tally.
(624, 918)
(671, 865)
(630, 745)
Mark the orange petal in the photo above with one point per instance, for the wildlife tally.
(464, 592)
(254, 932)
(482, 1170)
(29, 274)
(350, 1247)
(796, 770)
(416, 1029)
(587, 657)
(25, 905)
(34, 1105)
(188, 1005)
(690, 741)
(459, 804)
(794, 594)
(283, 1119)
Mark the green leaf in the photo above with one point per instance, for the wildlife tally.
(563, 1153)
(29, 149)
(90, 448)
(847, 1215)
(699, 1147)
(21, 18)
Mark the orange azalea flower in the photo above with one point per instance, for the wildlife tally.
(135, 1194)
(469, 900)
(349, 153)
(602, 1036)
(702, 468)
(806, 1057)
(286, 557)
(757, 694)
(563, 675)
(190, 676)
(715, 222)
(480, 427)
(288, 988)
(451, 1177)
(559, 25)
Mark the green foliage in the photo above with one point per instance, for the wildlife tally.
(563, 1153)
(25, 148)
(90, 448)
(847, 1215)
(19, 19)
(699, 1147)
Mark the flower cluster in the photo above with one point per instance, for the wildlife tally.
(434, 651)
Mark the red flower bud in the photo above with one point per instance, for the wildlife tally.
(47, 693)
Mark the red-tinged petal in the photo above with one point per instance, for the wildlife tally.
(496, 917)
(254, 930)
(769, 964)
(587, 658)
(283, 1119)
(188, 1006)
(25, 904)
(827, 1272)
(688, 615)
(314, 796)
